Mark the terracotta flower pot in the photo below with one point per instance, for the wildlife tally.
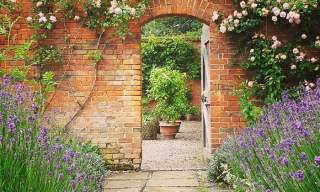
(179, 123)
(188, 117)
(168, 130)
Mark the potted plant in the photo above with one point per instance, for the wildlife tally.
(193, 113)
(188, 115)
(168, 89)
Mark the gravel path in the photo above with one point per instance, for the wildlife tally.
(183, 153)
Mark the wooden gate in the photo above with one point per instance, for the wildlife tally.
(205, 88)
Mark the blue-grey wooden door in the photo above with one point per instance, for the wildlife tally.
(205, 88)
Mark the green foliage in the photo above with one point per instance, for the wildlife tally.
(2, 57)
(22, 51)
(8, 5)
(172, 26)
(46, 85)
(98, 16)
(223, 172)
(150, 125)
(173, 52)
(278, 65)
(46, 55)
(67, 7)
(101, 17)
(48, 81)
(5, 25)
(18, 75)
(194, 111)
(250, 111)
(96, 56)
(168, 89)
(274, 70)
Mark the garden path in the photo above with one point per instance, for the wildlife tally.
(183, 153)
(180, 168)
(160, 181)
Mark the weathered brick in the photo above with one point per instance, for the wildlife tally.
(111, 117)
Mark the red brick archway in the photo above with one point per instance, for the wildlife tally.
(225, 111)
(111, 116)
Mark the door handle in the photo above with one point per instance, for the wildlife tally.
(204, 99)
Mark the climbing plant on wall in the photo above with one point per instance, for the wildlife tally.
(279, 65)
(46, 15)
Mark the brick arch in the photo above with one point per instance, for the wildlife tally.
(225, 114)
(200, 10)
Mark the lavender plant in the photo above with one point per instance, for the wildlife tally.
(32, 158)
(281, 152)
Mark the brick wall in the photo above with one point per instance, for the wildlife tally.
(110, 98)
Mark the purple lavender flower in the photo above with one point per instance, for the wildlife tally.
(68, 155)
(30, 131)
(31, 119)
(34, 108)
(91, 177)
(299, 175)
(1, 118)
(85, 189)
(70, 169)
(80, 176)
(284, 161)
(268, 190)
(60, 177)
(317, 160)
(286, 144)
(303, 156)
(73, 184)
(11, 125)
(5, 81)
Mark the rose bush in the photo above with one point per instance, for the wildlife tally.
(279, 65)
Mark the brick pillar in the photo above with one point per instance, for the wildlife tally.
(225, 111)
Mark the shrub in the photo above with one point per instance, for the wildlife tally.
(33, 158)
(174, 52)
(168, 88)
(220, 171)
(149, 126)
(194, 111)
(218, 168)
(281, 151)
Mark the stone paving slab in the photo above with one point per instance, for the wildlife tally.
(172, 183)
(124, 190)
(173, 174)
(121, 184)
(130, 176)
(171, 189)
(161, 181)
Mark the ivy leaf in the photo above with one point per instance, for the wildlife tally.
(18, 75)
(21, 51)
(49, 26)
(48, 81)
(48, 77)
(2, 57)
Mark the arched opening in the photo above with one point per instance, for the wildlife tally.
(181, 44)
